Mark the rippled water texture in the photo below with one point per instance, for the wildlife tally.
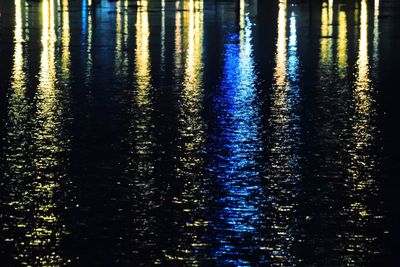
(198, 133)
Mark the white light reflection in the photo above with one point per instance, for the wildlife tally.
(163, 18)
(284, 174)
(178, 39)
(88, 17)
(376, 33)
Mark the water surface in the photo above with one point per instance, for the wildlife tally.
(194, 132)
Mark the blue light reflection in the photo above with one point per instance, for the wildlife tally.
(236, 150)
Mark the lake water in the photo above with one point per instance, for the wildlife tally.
(199, 133)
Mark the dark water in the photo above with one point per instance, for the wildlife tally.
(199, 133)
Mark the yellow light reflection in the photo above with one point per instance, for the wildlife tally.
(142, 163)
(279, 105)
(65, 39)
(191, 128)
(42, 234)
(326, 31)
(118, 44)
(281, 49)
(242, 6)
(142, 54)
(342, 44)
(121, 56)
(363, 81)
(16, 150)
(362, 90)
(362, 168)
(18, 68)
(143, 131)
(18, 106)
(188, 59)
(45, 231)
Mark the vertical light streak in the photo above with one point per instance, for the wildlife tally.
(235, 144)
(18, 108)
(142, 63)
(141, 162)
(16, 150)
(284, 133)
(121, 56)
(19, 76)
(18, 73)
(42, 234)
(85, 5)
(361, 184)
(17, 170)
(330, 13)
(163, 34)
(363, 81)
(326, 31)
(191, 137)
(125, 31)
(362, 98)
(44, 230)
(178, 39)
(89, 34)
(281, 47)
(142, 55)
(376, 33)
(342, 44)
(242, 5)
(65, 39)
(118, 30)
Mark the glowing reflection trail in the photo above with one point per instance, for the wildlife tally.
(236, 151)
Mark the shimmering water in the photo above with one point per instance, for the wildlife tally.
(198, 132)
